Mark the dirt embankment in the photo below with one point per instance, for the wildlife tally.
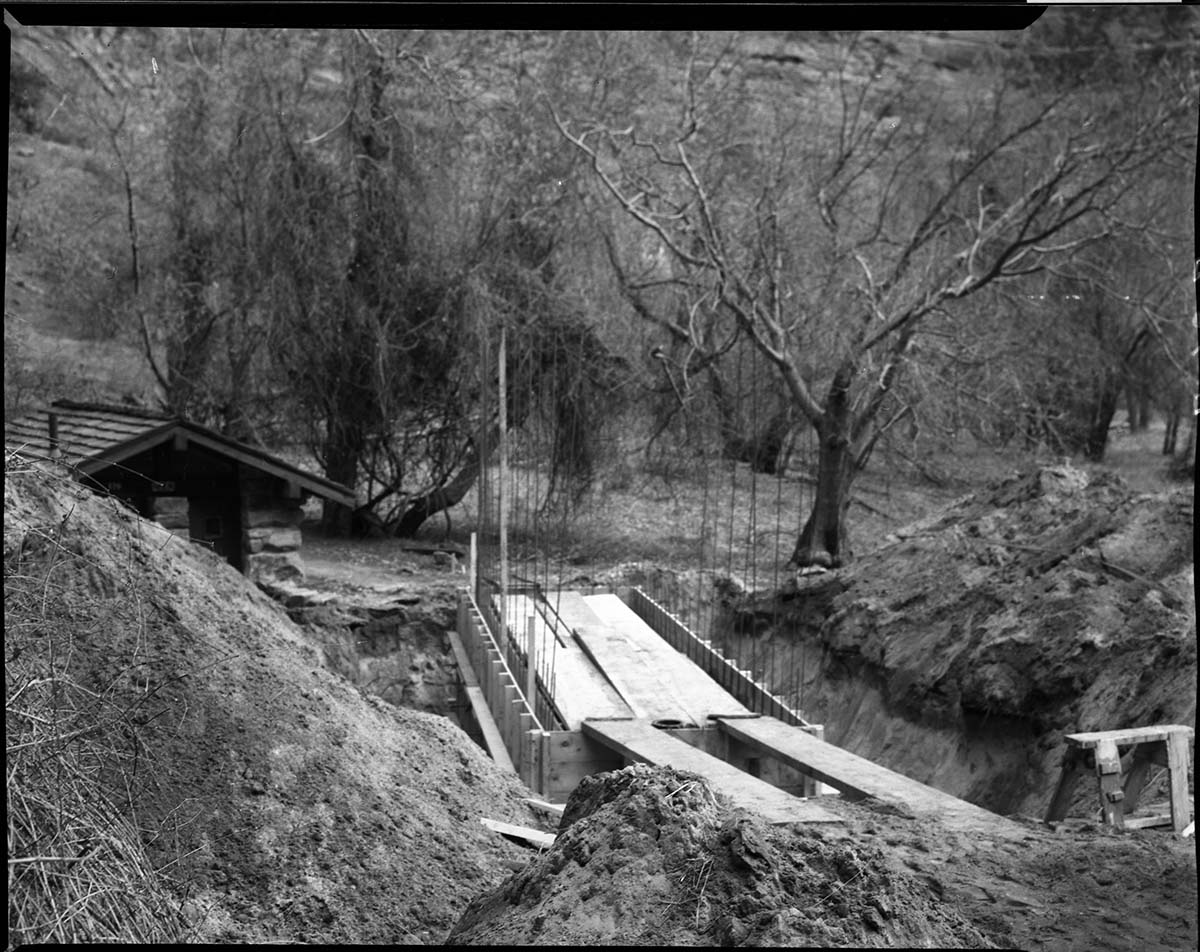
(651, 856)
(388, 638)
(289, 805)
(960, 652)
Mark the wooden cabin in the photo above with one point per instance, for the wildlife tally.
(240, 501)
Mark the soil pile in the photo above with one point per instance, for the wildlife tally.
(652, 856)
(284, 803)
(963, 649)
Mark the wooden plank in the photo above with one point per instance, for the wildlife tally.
(854, 776)
(492, 740)
(1177, 759)
(663, 682)
(553, 809)
(1129, 735)
(521, 835)
(590, 634)
(581, 690)
(639, 741)
(465, 668)
(1072, 772)
(525, 763)
(571, 756)
(1146, 822)
(1108, 769)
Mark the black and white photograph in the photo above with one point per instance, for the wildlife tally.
(601, 474)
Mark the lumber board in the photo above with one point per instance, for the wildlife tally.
(638, 740)
(1177, 759)
(492, 740)
(1128, 735)
(1146, 822)
(854, 776)
(704, 697)
(465, 668)
(580, 689)
(553, 809)
(522, 835)
(594, 640)
(655, 681)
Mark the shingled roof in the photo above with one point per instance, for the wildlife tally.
(93, 436)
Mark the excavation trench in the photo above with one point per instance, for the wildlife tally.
(953, 655)
(961, 651)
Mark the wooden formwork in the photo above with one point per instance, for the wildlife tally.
(737, 681)
(517, 728)
(550, 762)
(741, 685)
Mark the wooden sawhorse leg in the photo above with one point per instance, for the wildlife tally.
(1112, 796)
(1075, 764)
(1177, 764)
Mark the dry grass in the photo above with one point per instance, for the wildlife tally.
(77, 866)
(682, 516)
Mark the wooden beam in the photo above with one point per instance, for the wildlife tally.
(639, 741)
(553, 809)
(1128, 736)
(521, 835)
(493, 742)
(856, 777)
(1177, 758)
(1145, 822)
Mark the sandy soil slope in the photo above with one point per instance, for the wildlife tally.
(649, 856)
(290, 806)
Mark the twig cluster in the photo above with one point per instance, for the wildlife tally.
(77, 867)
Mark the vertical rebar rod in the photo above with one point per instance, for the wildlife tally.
(530, 656)
(502, 476)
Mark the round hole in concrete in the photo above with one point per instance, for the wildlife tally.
(670, 724)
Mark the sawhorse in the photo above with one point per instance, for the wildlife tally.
(1166, 745)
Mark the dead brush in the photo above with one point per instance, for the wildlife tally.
(694, 881)
(77, 867)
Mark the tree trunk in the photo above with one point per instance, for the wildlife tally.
(1185, 460)
(733, 441)
(444, 496)
(822, 540)
(762, 449)
(343, 446)
(1171, 434)
(1138, 408)
(1105, 408)
(767, 450)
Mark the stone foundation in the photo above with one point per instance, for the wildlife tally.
(271, 531)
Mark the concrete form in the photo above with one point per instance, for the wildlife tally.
(621, 693)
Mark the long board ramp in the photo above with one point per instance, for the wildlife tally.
(638, 740)
(856, 777)
(580, 690)
(652, 678)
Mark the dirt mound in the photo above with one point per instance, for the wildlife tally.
(288, 805)
(963, 649)
(652, 856)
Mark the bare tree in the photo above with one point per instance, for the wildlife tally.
(875, 201)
